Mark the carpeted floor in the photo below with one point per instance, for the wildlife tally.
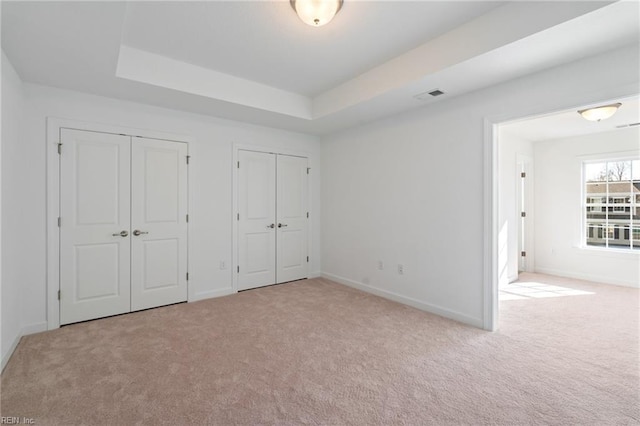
(316, 352)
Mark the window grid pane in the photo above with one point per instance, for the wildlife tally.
(612, 204)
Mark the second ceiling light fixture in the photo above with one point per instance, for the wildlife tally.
(599, 113)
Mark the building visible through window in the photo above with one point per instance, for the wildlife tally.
(612, 209)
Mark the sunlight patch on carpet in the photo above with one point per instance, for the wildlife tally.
(534, 290)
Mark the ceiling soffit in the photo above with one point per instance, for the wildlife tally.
(467, 53)
(431, 58)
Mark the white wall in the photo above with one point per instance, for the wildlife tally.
(210, 220)
(510, 147)
(558, 198)
(13, 161)
(409, 189)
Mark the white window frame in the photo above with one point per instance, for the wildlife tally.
(584, 205)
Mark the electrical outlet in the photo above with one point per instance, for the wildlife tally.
(380, 265)
(400, 269)
(223, 265)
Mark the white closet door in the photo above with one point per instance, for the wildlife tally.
(94, 231)
(158, 223)
(292, 218)
(256, 220)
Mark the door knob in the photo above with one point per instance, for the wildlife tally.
(281, 225)
(138, 232)
(273, 225)
(121, 234)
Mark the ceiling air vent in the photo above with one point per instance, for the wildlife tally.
(622, 126)
(428, 95)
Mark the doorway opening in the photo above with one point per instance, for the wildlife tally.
(544, 211)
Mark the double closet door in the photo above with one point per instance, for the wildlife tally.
(123, 224)
(272, 219)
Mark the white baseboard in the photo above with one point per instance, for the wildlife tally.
(212, 293)
(428, 307)
(34, 328)
(586, 277)
(7, 355)
(316, 274)
(26, 330)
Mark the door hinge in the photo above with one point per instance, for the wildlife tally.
(238, 164)
(238, 269)
(523, 174)
(58, 294)
(187, 276)
(523, 214)
(59, 221)
(187, 218)
(308, 168)
(307, 258)
(59, 148)
(307, 215)
(188, 158)
(523, 253)
(238, 216)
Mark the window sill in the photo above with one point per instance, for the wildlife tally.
(609, 252)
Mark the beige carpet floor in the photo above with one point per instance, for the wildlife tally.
(316, 352)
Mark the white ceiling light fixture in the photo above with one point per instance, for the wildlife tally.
(599, 113)
(316, 12)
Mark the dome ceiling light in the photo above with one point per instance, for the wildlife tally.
(316, 12)
(599, 113)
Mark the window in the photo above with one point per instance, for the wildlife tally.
(593, 204)
(617, 204)
(612, 204)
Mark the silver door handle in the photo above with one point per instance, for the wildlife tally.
(281, 225)
(121, 234)
(273, 225)
(138, 232)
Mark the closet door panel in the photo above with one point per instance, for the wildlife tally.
(256, 219)
(158, 223)
(94, 225)
(292, 223)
